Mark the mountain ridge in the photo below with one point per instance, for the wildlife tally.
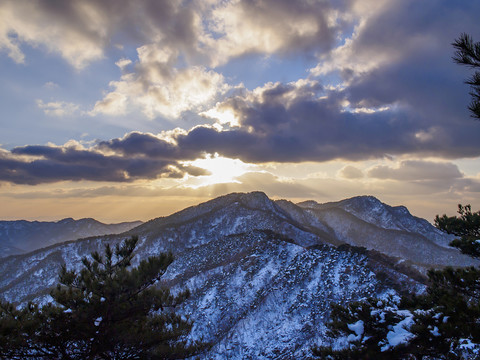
(22, 236)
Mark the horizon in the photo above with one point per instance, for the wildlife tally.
(200, 203)
(124, 111)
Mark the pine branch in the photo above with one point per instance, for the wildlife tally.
(468, 53)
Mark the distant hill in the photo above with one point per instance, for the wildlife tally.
(21, 236)
(263, 273)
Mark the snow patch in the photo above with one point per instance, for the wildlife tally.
(358, 329)
(467, 344)
(98, 321)
(38, 272)
(435, 331)
(400, 333)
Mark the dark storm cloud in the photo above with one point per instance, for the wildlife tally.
(52, 164)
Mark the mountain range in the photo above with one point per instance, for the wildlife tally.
(263, 273)
(21, 236)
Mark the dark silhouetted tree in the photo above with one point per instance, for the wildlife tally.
(108, 310)
(468, 53)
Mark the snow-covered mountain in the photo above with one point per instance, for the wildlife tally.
(21, 236)
(367, 222)
(263, 273)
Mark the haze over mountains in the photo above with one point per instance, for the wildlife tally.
(17, 237)
(263, 273)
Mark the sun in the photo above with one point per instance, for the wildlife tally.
(221, 169)
(223, 117)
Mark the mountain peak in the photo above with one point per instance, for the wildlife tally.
(366, 201)
(65, 221)
(256, 199)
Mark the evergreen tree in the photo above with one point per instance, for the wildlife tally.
(106, 311)
(467, 226)
(468, 53)
(435, 325)
(448, 314)
(362, 328)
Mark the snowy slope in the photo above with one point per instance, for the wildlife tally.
(273, 300)
(373, 211)
(367, 222)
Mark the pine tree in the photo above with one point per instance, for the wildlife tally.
(447, 315)
(363, 326)
(434, 325)
(468, 53)
(108, 310)
(467, 226)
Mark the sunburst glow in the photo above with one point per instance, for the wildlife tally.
(222, 169)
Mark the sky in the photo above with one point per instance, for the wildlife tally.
(123, 110)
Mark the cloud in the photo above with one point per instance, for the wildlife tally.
(68, 28)
(48, 163)
(418, 77)
(275, 186)
(250, 181)
(413, 170)
(350, 58)
(394, 100)
(351, 172)
(50, 85)
(81, 31)
(253, 27)
(177, 42)
(302, 121)
(113, 104)
(424, 198)
(149, 145)
(158, 88)
(58, 108)
(206, 33)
